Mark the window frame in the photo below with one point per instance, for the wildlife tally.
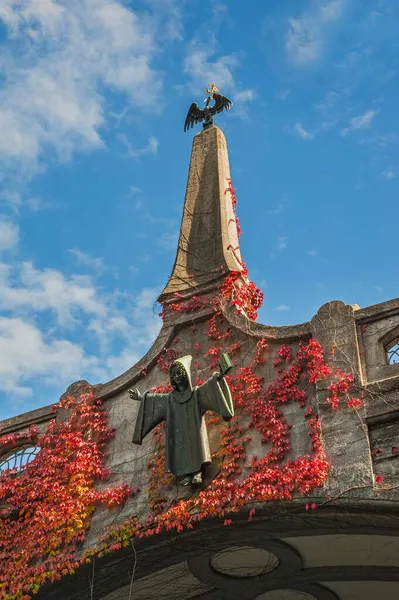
(392, 347)
(386, 341)
(18, 452)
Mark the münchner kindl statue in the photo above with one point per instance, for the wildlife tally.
(183, 409)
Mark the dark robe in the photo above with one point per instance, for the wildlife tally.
(187, 445)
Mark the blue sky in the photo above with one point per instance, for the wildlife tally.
(93, 166)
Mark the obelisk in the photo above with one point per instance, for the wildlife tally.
(208, 246)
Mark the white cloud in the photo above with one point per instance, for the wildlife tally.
(351, 60)
(389, 174)
(282, 307)
(283, 94)
(145, 314)
(138, 204)
(12, 198)
(28, 288)
(169, 18)
(302, 132)
(133, 269)
(306, 36)
(114, 323)
(36, 204)
(168, 241)
(35, 345)
(361, 121)
(18, 196)
(133, 190)
(111, 327)
(277, 210)
(204, 62)
(132, 152)
(135, 321)
(152, 146)
(282, 242)
(9, 234)
(61, 57)
(25, 353)
(262, 283)
(200, 68)
(327, 125)
(82, 258)
(121, 363)
(313, 252)
(364, 121)
(329, 101)
(244, 96)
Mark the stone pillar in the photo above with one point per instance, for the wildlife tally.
(344, 433)
(208, 244)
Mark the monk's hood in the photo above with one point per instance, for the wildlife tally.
(185, 362)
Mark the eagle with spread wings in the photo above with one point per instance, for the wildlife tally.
(196, 114)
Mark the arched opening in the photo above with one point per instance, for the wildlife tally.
(392, 351)
(19, 458)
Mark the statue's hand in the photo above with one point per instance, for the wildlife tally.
(134, 394)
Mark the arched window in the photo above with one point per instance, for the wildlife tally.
(20, 458)
(392, 352)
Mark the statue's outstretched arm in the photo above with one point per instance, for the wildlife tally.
(152, 410)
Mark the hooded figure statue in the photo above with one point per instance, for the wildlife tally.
(183, 409)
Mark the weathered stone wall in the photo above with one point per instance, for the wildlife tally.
(357, 443)
(346, 435)
(377, 326)
(128, 462)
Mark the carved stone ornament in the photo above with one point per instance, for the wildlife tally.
(183, 409)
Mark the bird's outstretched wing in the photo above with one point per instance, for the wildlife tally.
(194, 115)
(221, 102)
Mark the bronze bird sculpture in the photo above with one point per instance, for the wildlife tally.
(196, 114)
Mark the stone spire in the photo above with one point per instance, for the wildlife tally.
(208, 245)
